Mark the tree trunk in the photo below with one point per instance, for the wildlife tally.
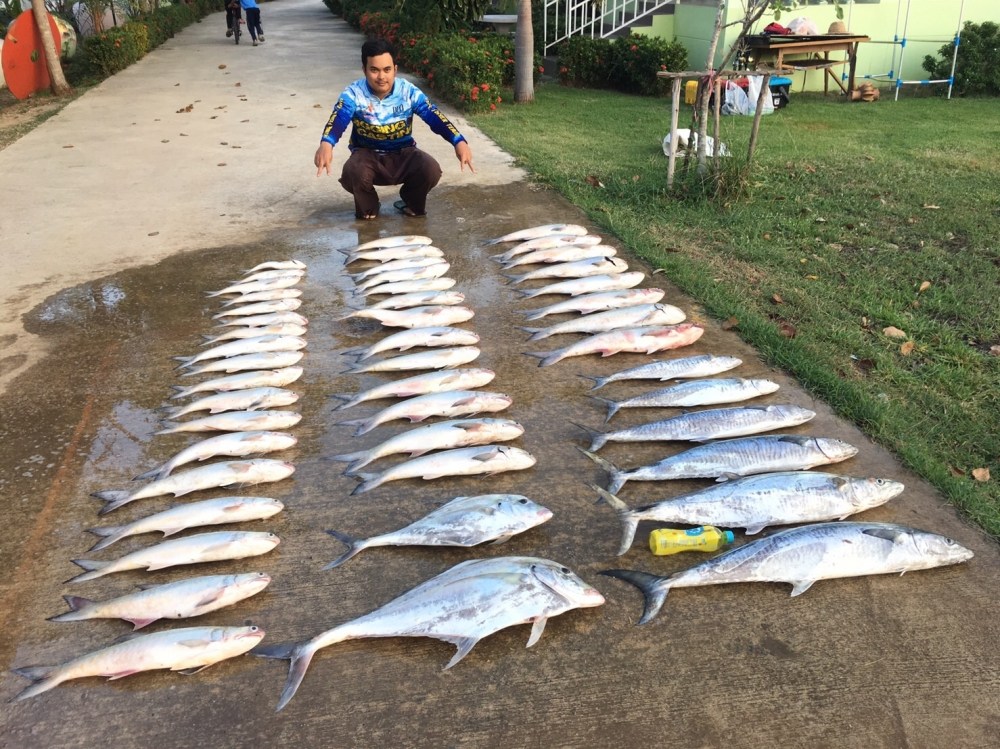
(41, 16)
(524, 55)
(705, 91)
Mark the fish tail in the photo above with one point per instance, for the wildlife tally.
(368, 482)
(534, 314)
(625, 515)
(93, 570)
(160, 472)
(613, 406)
(599, 382)
(181, 391)
(547, 358)
(169, 427)
(41, 677)
(528, 293)
(75, 603)
(300, 656)
(184, 361)
(354, 544)
(654, 589)
(617, 481)
(349, 457)
(536, 333)
(514, 278)
(597, 439)
(108, 536)
(114, 499)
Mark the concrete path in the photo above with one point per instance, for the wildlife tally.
(131, 207)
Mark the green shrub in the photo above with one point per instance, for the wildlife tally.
(628, 64)
(977, 70)
(114, 50)
(336, 7)
(584, 62)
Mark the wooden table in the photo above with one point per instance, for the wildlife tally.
(774, 47)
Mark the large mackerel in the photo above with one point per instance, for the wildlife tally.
(703, 365)
(695, 393)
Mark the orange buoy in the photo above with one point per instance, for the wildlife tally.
(23, 57)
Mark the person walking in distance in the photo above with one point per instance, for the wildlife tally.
(232, 15)
(253, 20)
(380, 108)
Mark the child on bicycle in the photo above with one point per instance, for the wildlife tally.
(232, 15)
(253, 20)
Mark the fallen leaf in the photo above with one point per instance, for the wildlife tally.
(635, 177)
(864, 365)
(906, 349)
(244, 120)
(593, 181)
(317, 106)
(929, 207)
(776, 299)
(730, 323)
(237, 84)
(923, 287)
(981, 474)
(813, 278)
(164, 141)
(152, 234)
(820, 220)
(222, 67)
(223, 142)
(766, 235)
(893, 332)
(958, 472)
(183, 135)
(223, 163)
(995, 350)
(177, 84)
(68, 146)
(869, 158)
(787, 330)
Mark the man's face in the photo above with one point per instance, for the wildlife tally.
(380, 72)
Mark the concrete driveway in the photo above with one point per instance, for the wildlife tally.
(170, 180)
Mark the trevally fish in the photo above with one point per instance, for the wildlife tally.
(388, 254)
(535, 232)
(265, 295)
(443, 358)
(449, 403)
(443, 435)
(755, 502)
(278, 265)
(407, 287)
(421, 384)
(262, 360)
(801, 556)
(213, 476)
(394, 241)
(461, 606)
(728, 459)
(599, 301)
(264, 319)
(613, 319)
(464, 521)
(405, 274)
(231, 444)
(432, 337)
(564, 254)
(463, 461)
(178, 600)
(257, 345)
(289, 329)
(420, 317)
(198, 549)
(189, 649)
(595, 266)
(260, 308)
(704, 365)
(702, 426)
(235, 421)
(418, 299)
(251, 399)
(642, 340)
(589, 285)
(193, 515)
(242, 381)
(694, 393)
(547, 242)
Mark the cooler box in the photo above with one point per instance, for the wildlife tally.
(780, 88)
(690, 92)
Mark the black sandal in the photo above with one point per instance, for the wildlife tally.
(400, 205)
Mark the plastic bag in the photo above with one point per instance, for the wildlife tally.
(683, 135)
(753, 92)
(735, 100)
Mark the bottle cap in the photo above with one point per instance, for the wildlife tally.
(729, 536)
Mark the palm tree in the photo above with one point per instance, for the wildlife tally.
(524, 55)
(59, 84)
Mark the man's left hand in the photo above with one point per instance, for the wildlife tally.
(464, 154)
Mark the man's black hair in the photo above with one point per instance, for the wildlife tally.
(374, 48)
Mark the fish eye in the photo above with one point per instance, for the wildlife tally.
(949, 542)
(522, 501)
(255, 628)
(564, 570)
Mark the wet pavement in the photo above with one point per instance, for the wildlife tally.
(878, 661)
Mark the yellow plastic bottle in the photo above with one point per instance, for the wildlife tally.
(664, 541)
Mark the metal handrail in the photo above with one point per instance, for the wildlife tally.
(594, 18)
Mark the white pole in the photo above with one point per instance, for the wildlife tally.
(954, 54)
(902, 50)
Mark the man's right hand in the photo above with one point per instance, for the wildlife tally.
(323, 158)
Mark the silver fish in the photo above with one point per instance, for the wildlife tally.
(420, 261)
(443, 435)
(546, 242)
(419, 299)
(433, 337)
(235, 472)
(248, 285)
(694, 393)
(702, 426)
(231, 444)
(801, 556)
(461, 606)
(449, 403)
(443, 358)
(252, 399)
(264, 319)
(188, 649)
(564, 254)
(599, 301)
(192, 515)
(198, 549)
(242, 381)
(260, 308)
(596, 266)
(613, 319)
(388, 254)
(420, 317)
(535, 232)
(278, 265)
(728, 459)
(257, 345)
(644, 340)
(421, 384)
(405, 274)
(704, 365)
(183, 599)
(264, 295)
(395, 241)
(464, 521)
(269, 273)
(590, 285)
(262, 360)
(464, 461)
(409, 287)
(289, 329)
(235, 421)
(755, 502)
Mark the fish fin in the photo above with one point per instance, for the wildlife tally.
(368, 481)
(617, 480)
(93, 570)
(35, 673)
(596, 443)
(537, 627)
(169, 427)
(348, 457)
(534, 332)
(108, 536)
(654, 589)
(75, 603)
(727, 476)
(153, 474)
(613, 406)
(625, 515)
(193, 670)
(300, 657)
(483, 457)
(138, 623)
(599, 382)
(122, 674)
(801, 586)
(752, 530)
(350, 422)
(887, 534)
(464, 645)
(547, 357)
(352, 542)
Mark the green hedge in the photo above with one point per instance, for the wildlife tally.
(977, 70)
(627, 64)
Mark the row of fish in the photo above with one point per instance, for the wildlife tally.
(260, 343)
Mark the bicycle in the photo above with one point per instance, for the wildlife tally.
(237, 22)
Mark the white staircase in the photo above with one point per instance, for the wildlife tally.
(594, 18)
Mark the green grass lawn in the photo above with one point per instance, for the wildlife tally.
(856, 217)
